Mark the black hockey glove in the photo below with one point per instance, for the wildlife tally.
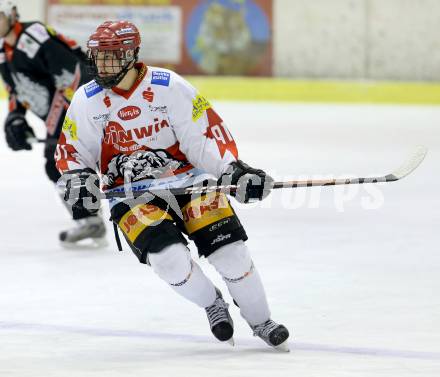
(18, 131)
(254, 184)
(82, 192)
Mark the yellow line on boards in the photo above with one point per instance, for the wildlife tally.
(287, 90)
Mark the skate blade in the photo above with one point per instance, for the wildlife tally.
(231, 342)
(283, 347)
(88, 244)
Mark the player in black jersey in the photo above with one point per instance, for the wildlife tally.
(41, 70)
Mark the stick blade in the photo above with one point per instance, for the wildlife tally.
(409, 166)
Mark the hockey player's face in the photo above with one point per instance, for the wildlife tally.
(4, 25)
(107, 63)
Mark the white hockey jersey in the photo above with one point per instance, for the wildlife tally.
(161, 131)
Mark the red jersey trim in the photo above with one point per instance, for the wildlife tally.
(142, 71)
(9, 50)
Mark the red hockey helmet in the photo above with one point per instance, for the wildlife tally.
(112, 50)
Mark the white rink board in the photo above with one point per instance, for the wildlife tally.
(358, 288)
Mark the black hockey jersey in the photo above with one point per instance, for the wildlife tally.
(41, 72)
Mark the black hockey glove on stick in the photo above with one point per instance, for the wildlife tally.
(252, 184)
(18, 131)
(81, 192)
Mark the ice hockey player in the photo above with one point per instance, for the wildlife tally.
(41, 70)
(147, 127)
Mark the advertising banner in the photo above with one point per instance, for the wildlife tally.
(212, 37)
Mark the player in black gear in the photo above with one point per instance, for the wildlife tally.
(41, 70)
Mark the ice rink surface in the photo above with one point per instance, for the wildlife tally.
(353, 272)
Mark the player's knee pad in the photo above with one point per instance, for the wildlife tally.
(172, 264)
(232, 261)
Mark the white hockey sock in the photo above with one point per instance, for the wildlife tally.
(234, 263)
(175, 266)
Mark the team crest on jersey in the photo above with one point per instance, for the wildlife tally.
(160, 78)
(141, 165)
(92, 88)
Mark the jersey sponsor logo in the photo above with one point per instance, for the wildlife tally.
(107, 101)
(148, 95)
(92, 88)
(39, 32)
(160, 109)
(28, 45)
(200, 105)
(129, 113)
(101, 117)
(160, 78)
(69, 127)
(206, 210)
(115, 134)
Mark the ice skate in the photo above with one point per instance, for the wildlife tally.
(88, 233)
(273, 334)
(220, 321)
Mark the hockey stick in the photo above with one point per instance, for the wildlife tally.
(406, 169)
(34, 140)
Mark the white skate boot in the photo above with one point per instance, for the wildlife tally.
(88, 233)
